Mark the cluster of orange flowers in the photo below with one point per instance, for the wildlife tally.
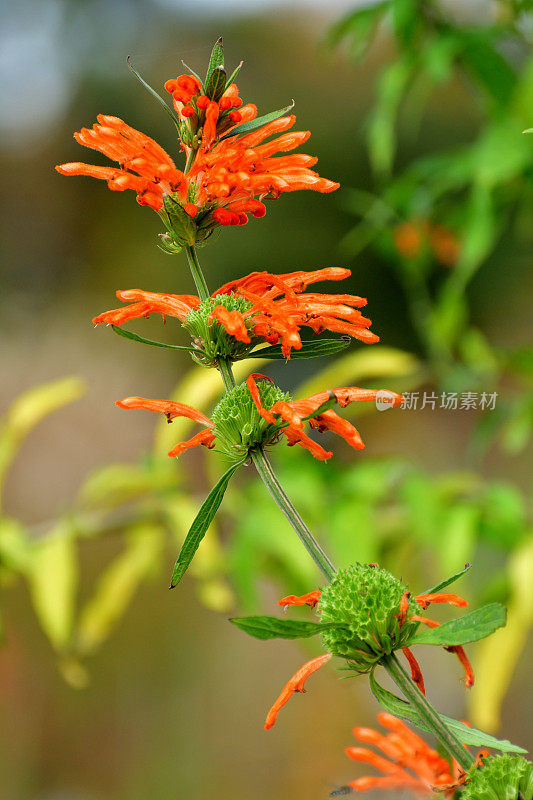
(408, 762)
(413, 237)
(287, 417)
(232, 171)
(278, 308)
(297, 682)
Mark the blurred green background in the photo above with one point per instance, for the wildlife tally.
(114, 688)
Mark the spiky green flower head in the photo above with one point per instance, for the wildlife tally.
(504, 777)
(210, 336)
(366, 599)
(238, 426)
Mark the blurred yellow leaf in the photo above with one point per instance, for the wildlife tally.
(28, 410)
(117, 585)
(498, 655)
(53, 581)
(116, 484)
(15, 548)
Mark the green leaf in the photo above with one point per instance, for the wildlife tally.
(275, 628)
(471, 627)
(443, 584)
(200, 524)
(254, 124)
(311, 349)
(236, 72)
(170, 111)
(471, 736)
(215, 60)
(492, 70)
(215, 86)
(136, 338)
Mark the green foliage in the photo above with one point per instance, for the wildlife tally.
(448, 209)
(470, 736)
(366, 600)
(276, 628)
(313, 348)
(201, 523)
(258, 122)
(471, 627)
(170, 111)
(500, 778)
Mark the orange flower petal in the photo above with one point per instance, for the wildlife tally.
(295, 684)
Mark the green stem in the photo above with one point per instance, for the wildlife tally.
(391, 663)
(411, 691)
(277, 492)
(197, 274)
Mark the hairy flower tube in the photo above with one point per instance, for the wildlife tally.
(502, 777)
(230, 167)
(259, 308)
(408, 762)
(257, 413)
(367, 614)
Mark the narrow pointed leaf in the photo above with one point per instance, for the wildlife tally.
(193, 73)
(201, 523)
(170, 111)
(216, 59)
(258, 122)
(311, 349)
(236, 72)
(471, 736)
(136, 338)
(443, 584)
(276, 628)
(472, 627)
(214, 87)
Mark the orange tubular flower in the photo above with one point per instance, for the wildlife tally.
(424, 600)
(295, 684)
(232, 170)
(277, 307)
(283, 418)
(310, 599)
(409, 763)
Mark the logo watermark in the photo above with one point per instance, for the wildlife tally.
(447, 401)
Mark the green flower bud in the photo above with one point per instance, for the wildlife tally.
(367, 599)
(210, 336)
(238, 426)
(504, 777)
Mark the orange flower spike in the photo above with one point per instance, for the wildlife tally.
(416, 672)
(330, 421)
(405, 750)
(254, 391)
(404, 608)
(203, 437)
(295, 436)
(310, 599)
(295, 684)
(424, 621)
(232, 321)
(167, 407)
(463, 658)
(210, 125)
(424, 600)
(287, 413)
(144, 303)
